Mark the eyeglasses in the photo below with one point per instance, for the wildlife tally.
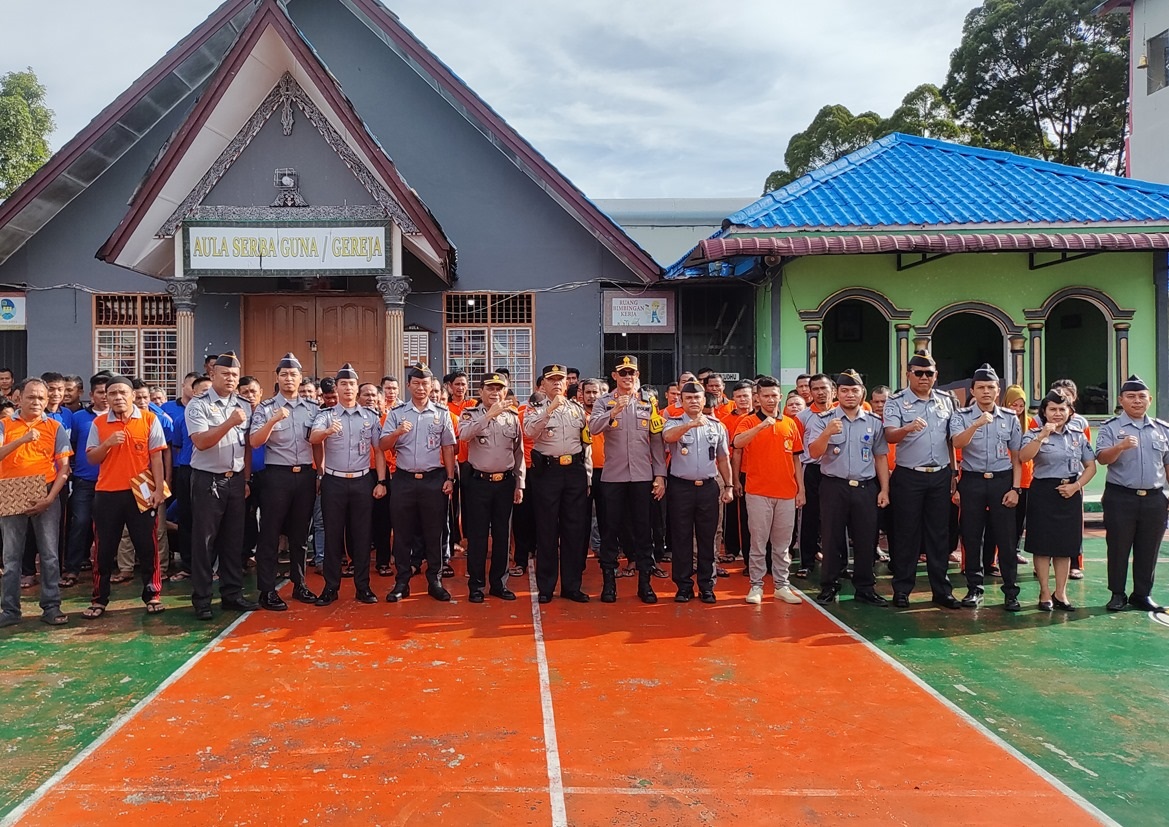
(627, 372)
(922, 374)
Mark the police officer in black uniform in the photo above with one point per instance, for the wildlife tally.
(493, 483)
(989, 437)
(282, 423)
(347, 431)
(849, 443)
(217, 422)
(422, 435)
(1135, 447)
(700, 471)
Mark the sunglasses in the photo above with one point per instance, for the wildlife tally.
(922, 374)
(627, 372)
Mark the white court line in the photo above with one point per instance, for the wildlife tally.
(56, 778)
(1084, 803)
(551, 749)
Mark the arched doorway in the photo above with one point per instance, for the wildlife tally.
(962, 343)
(856, 335)
(1076, 347)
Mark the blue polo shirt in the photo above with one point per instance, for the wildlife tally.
(165, 420)
(179, 441)
(64, 416)
(79, 438)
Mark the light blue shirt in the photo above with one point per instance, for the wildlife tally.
(851, 454)
(421, 449)
(930, 447)
(349, 452)
(695, 456)
(1063, 455)
(989, 450)
(1142, 467)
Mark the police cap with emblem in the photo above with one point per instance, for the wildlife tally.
(921, 359)
(493, 379)
(850, 378)
(418, 371)
(693, 387)
(626, 362)
(227, 360)
(553, 370)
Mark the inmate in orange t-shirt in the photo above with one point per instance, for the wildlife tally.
(769, 459)
(144, 437)
(34, 458)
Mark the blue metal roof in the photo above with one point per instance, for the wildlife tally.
(903, 180)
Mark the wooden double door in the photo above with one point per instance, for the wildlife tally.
(341, 328)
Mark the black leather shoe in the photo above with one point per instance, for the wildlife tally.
(502, 592)
(476, 596)
(1044, 606)
(947, 601)
(366, 596)
(1117, 603)
(901, 601)
(1062, 605)
(303, 594)
(872, 598)
(439, 593)
(272, 602)
(544, 598)
(972, 600)
(326, 597)
(239, 604)
(707, 597)
(1145, 604)
(684, 596)
(609, 589)
(576, 596)
(645, 589)
(827, 596)
(1012, 604)
(400, 592)
(203, 613)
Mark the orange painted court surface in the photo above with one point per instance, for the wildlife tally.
(422, 713)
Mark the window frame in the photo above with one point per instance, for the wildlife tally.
(488, 322)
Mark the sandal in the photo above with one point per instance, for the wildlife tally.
(658, 571)
(68, 580)
(1076, 574)
(155, 607)
(517, 571)
(55, 619)
(178, 576)
(801, 574)
(628, 571)
(447, 570)
(727, 558)
(384, 571)
(121, 577)
(719, 571)
(667, 558)
(94, 611)
(347, 570)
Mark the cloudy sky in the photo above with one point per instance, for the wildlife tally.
(654, 98)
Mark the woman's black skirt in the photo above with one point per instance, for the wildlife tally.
(1055, 525)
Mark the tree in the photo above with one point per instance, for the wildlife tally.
(25, 124)
(926, 113)
(1045, 78)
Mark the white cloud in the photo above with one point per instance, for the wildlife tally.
(652, 98)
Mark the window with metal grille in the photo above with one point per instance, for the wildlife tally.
(416, 346)
(486, 332)
(137, 336)
(1157, 55)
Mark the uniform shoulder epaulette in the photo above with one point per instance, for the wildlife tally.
(399, 406)
(206, 394)
(1160, 422)
(899, 394)
(828, 414)
(1112, 419)
(966, 409)
(270, 402)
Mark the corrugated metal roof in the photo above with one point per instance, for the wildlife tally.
(907, 181)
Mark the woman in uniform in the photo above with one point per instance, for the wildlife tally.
(1064, 462)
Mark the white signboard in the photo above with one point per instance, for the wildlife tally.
(648, 312)
(12, 311)
(284, 249)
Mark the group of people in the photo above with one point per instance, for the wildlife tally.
(328, 472)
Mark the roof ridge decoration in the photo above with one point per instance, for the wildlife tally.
(284, 94)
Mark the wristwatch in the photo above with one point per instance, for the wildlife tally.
(380, 482)
(1017, 490)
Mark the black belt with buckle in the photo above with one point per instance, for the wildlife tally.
(492, 476)
(295, 469)
(222, 474)
(1140, 492)
(850, 483)
(419, 475)
(989, 475)
(564, 459)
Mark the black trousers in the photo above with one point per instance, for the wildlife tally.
(523, 529)
(559, 499)
(252, 517)
(848, 511)
(418, 511)
(487, 509)
(983, 517)
(736, 535)
(181, 477)
(286, 507)
(347, 509)
(693, 512)
(113, 511)
(629, 508)
(217, 533)
(810, 517)
(921, 522)
(380, 527)
(1133, 524)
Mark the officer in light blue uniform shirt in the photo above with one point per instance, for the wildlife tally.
(700, 471)
(989, 437)
(1135, 448)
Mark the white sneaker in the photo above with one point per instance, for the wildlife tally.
(787, 595)
(755, 595)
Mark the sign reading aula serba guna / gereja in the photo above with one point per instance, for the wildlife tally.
(280, 249)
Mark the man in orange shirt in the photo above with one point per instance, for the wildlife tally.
(774, 488)
(126, 442)
(736, 534)
(32, 444)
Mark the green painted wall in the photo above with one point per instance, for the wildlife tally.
(1000, 279)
